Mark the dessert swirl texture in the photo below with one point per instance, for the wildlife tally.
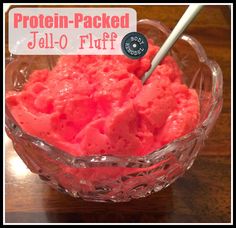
(96, 105)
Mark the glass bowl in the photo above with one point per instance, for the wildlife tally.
(113, 178)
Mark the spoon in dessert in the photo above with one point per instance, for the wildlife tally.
(184, 21)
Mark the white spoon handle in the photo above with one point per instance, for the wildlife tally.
(184, 21)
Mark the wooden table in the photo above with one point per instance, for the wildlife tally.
(203, 194)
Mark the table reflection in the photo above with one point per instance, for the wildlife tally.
(18, 167)
(14, 164)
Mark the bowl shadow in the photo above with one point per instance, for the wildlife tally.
(62, 208)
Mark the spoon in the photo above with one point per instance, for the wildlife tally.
(184, 21)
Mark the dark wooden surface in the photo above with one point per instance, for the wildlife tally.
(203, 194)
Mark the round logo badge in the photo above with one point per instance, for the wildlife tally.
(134, 45)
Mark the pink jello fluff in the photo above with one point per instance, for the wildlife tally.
(97, 105)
